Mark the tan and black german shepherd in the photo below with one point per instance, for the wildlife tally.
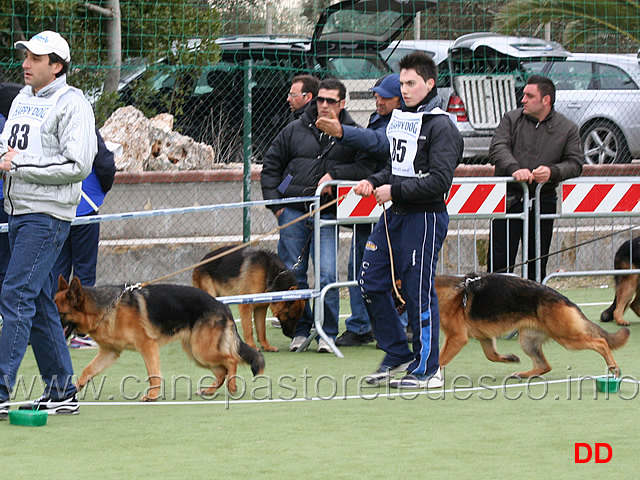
(145, 319)
(246, 271)
(485, 306)
(627, 286)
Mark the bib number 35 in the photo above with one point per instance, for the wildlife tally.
(399, 150)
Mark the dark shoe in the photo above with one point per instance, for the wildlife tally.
(63, 406)
(4, 410)
(350, 339)
(385, 373)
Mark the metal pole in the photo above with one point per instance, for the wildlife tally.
(246, 141)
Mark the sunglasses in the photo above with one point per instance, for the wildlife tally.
(330, 101)
(294, 95)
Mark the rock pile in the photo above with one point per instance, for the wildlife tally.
(151, 145)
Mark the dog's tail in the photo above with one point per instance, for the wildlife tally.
(617, 339)
(614, 340)
(251, 356)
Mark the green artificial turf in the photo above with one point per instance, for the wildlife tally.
(523, 431)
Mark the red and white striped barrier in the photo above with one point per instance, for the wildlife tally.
(615, 195)
(355, 206)
(465, 198)
(470, 198)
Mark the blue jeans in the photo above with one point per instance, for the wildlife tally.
(292, 241)
(28, 308)
(358, 322)
(79, 251)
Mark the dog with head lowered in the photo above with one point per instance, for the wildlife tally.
(145, 319)
(485, 306)
(627, 286)
(249, 271)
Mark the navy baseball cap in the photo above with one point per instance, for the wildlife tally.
(389, 86)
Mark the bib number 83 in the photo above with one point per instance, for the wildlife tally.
(19, 137)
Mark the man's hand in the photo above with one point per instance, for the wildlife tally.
(542, 174)
(382, 194)
(363, 188)
(330, 125)
(326, 190)
(6, 159)
(523, 175)
(277, 213)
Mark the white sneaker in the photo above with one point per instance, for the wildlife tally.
(296, 343)
(323, 346)
(409, 382)
(385, 373)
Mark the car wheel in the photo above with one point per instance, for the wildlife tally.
(604, 143)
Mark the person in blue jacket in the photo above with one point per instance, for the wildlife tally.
(79, 253)
(371, 143)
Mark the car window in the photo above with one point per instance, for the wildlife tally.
(357, 67)
(572, 75)
(614, 78)
(364, 22)
(397, 55)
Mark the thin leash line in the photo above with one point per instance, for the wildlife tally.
(393, 274)
(243, 245)
(562, 250)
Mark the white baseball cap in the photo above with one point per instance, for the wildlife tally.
(45, 43)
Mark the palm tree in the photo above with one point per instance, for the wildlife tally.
(582, 21)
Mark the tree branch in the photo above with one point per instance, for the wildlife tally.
(107, 12)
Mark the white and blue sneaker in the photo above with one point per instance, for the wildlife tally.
(4, 410)
(421, 382)
(385, 373)
(63, 406)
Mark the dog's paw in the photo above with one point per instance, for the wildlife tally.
(512, 358)
(622, 323)
(269, 348)
(147, 398)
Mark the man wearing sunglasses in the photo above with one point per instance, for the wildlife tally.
(304, 88)
(425, 146)
(300, 158)
(373, 145)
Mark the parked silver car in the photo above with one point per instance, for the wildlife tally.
(600, 93)
(487, 81)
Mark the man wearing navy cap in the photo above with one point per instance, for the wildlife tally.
(373, 145)
(46, 149)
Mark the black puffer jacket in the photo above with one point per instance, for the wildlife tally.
(295, 161)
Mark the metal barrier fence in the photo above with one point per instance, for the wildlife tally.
(151, 241)
(602, 212)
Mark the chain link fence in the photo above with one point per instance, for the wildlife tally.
(222, 69)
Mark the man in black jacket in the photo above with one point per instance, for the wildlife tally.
(425, 146)
(533, 144)
(300, 158)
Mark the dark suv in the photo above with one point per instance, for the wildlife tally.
(346, 44)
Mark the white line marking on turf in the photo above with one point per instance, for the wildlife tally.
(370, 396)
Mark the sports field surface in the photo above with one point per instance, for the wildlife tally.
(311, 417)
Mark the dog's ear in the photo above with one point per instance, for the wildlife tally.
(62, 283)
(76, 292)
(294, 287)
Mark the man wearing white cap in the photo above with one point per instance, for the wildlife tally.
(46, 149)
